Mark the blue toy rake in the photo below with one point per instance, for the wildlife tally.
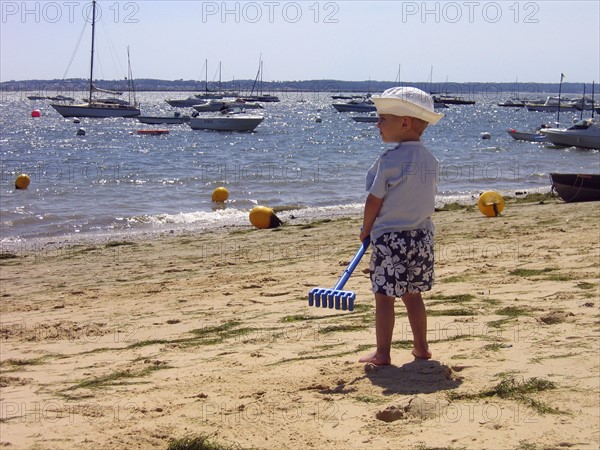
(336, 297)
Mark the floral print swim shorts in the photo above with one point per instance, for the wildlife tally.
(402, 262)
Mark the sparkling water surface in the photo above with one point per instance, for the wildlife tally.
(114, 181)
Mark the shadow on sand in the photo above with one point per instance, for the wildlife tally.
(416, 377)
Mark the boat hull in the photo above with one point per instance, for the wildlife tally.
(524, 136)
(185, 103)
(549, 108)
(569, 138)
(576, 187)
(216, 106)
(345, 107)
(369, 119)
(163, 120)
(96, 111)
(225, 123)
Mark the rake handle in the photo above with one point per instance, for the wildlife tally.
(357, 257)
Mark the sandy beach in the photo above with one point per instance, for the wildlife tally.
(134, 344)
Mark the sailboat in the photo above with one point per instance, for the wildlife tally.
(260, 97)
(92, 107)
(196, 99)
(515, 101)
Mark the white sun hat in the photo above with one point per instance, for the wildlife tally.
(407, 101)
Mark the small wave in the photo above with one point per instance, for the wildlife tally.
(217, 216)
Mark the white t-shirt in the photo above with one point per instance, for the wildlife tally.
(406, 178)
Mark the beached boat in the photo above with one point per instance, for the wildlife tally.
(526, 136)
(584, 134)
(226, 122)
(576, 187)
(94, 107)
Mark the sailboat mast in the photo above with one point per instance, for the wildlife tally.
(130, 80)
(559, 93)
(593, 105)
(92, 53)
(582, 103)
(220, 89)
(206, 76)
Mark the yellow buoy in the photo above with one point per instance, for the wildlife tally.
(264, 217)
(22, 181)
(490, 203)
(220, 194)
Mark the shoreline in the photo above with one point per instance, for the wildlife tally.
(289, 215)
(140, 344)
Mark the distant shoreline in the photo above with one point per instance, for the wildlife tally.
(522, 89)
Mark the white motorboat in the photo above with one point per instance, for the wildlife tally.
(93, 107)
(584, 134)
(552, 105)
(356, 105)
(226, 122)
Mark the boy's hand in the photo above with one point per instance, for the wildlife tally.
(364, 234)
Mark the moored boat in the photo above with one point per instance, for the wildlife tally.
(221, 105)
(526, 136)
(372, 117)
(451, 99)
(584, 134)
(226, 122)
(552, 104)
(93, 107)
(175, 119)
(513, 103)
(356, 105)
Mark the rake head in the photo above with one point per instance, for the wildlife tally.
(331, 298)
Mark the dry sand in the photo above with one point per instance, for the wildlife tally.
(132, 344)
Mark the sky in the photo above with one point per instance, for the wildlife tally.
(418, 41)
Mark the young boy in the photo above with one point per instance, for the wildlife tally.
(402, 185)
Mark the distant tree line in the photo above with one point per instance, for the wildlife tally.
(341, 86)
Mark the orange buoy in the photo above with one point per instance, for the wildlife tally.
(220, 195)
(22, 181)
(263, 217)
(490, 203)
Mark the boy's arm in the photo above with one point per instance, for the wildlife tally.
(372, 207)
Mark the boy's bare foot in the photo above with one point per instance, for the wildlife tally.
(422, 354)
(377, 359)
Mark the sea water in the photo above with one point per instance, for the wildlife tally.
(305, 159)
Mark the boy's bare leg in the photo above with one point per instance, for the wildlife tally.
(384, 329)
(417, 316)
